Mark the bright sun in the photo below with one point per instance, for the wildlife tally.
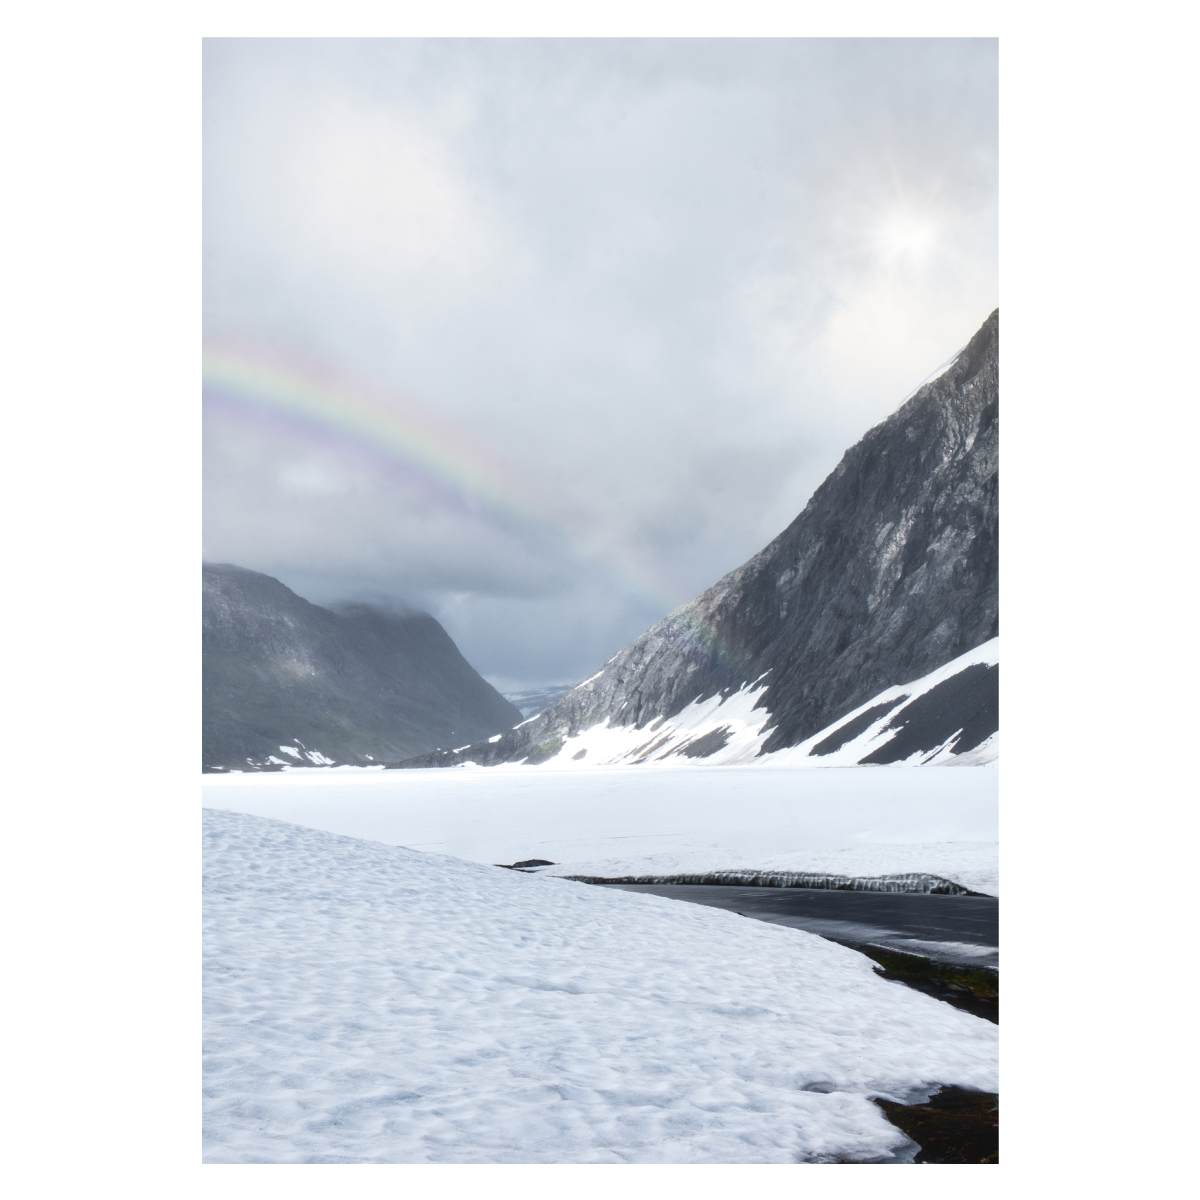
(905, 236)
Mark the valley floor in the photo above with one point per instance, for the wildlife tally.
(372, 1003)
(655, 819)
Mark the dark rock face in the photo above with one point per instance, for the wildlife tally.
(954, 1126)
(889, 573)
(968, 701)
(356, 684)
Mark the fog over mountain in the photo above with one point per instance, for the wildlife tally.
(871, 622)
(532, 701)
(288, 683)
(543, 336)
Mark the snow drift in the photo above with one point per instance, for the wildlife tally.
(372, 1004)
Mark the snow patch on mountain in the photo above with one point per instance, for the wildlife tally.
(891, 705)
(731, 730)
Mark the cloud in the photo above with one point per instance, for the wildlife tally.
(665, 283)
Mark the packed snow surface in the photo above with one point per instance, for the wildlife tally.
(621, 821)
(368, 1003)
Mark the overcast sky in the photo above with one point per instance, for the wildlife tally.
(585, 321)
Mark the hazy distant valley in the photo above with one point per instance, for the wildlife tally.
(530, 703)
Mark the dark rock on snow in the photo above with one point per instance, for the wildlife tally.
(955, 1125)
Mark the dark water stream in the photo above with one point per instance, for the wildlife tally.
(945, 946)
(963, 930)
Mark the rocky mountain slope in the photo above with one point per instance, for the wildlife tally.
(532, 702)
(888, 574)
(288, 682)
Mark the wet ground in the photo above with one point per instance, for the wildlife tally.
(945, 946)
(962, 930)
(953, 1126)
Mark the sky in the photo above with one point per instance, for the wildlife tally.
(545, 336)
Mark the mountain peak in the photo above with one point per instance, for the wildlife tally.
(355, 683)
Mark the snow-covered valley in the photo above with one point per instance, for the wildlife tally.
(412, 965)
(370, 1003)
(655, 819)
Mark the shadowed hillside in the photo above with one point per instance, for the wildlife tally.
(286, 681)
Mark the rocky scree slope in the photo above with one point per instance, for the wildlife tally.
(353, 684)
(889, 573)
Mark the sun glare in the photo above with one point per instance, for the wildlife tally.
(904, 236)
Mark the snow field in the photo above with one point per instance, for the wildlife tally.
(658, 820)
(368, 1003)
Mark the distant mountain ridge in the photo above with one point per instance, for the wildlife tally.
(533, 701)
(287, 682)
(889, 574)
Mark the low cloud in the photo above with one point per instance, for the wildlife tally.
(664, 283)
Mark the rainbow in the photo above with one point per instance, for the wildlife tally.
(396, 438)
(312, 403)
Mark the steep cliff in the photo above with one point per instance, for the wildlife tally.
(888, 574)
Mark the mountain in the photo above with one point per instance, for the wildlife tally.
(887, 576)
(530, 703)
(286, 681)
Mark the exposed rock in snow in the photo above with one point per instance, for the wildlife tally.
(945, 718)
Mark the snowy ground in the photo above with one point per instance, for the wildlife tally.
(654, 819)
(368, 1003)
